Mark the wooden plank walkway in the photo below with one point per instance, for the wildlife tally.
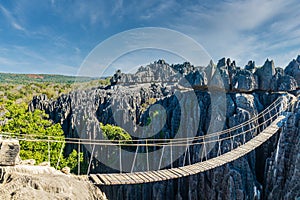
(167, 174)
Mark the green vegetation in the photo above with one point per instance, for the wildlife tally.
(42, 78)
(112, 132)
(23, 88)
(36, 125)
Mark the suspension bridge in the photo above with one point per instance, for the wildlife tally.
(240, 140)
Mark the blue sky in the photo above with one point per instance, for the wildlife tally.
(55, 36)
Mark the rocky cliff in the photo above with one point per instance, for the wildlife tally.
(20, 181)
(270, 172)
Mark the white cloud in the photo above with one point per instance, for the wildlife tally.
(244, 30)
(117, 7)
(11, 19)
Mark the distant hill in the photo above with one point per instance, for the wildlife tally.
(41, 78)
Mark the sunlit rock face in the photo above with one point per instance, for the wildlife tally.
(127, 103)
(293, 69)
(265, 75)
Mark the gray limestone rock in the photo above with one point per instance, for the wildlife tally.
(250, 66)
(265, 75)
(244, 81)
(293, 69)
(220, 80)
(9, 152)
(282, 173)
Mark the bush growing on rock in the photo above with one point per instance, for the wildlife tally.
(112, 132)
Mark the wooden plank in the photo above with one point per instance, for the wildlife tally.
(130, 179)
(162, 174)
(180, 171)
(211, 164)
(183, 171)
(187, 171)
(154, 176)
(223, 158)
(218, 162)
(104, 179)
(159, 175)
(244, 148)
(176, 172)
(169, 174)
(143, 176)
(136, 178)
(193, 170)
(113, 179)
(247, 147)
(95, 179)
(199, 167)
(206, 166)
(123, 178)
(172, 173)
(258, 140)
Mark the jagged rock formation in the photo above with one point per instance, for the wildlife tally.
(293, 69)
(248, 91)
(282, 170)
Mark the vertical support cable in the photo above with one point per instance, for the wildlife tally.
(78, 158)
(147, 154)
(270, 116)
(202, 152)
(244, 135)
(48, 150)
(171, 154)
(189, 154)
(231, 142)
(264, 121)
(219, 148)
(60, 153)
(162, 153)
(120, 157)
(91, 159)
(205, 151)
(185, 153)
(136, 152)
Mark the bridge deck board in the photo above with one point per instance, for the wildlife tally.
(104, 179)
(160, 172)
(154, 176)
(177, 174)
(161, 177)
(96, 180)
